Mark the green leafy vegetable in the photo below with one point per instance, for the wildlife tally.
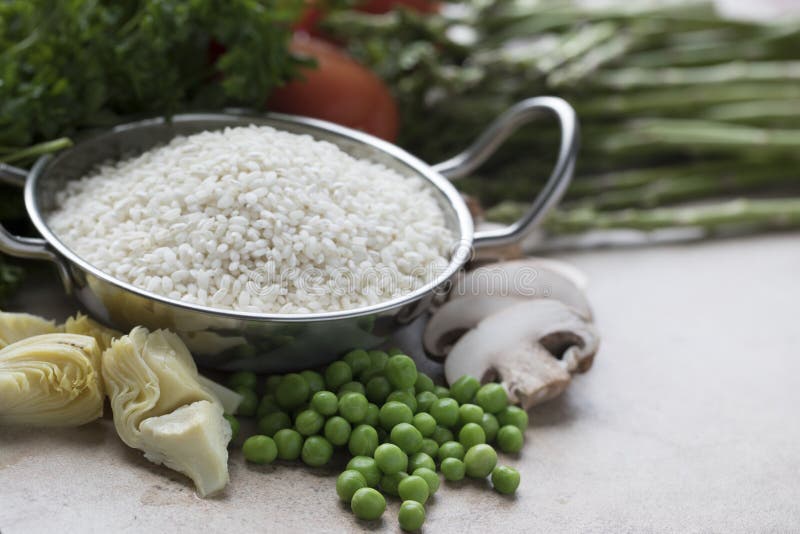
(68, 64)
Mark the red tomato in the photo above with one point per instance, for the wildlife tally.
(384, 6)
(339, 90)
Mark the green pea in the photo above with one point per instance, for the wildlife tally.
(363, 441)
(249, 404)
(259, 449)
(492, 398)
(442, 435)
(389, 483)
(353, 407)
(471, 434)
(309, 422)
(368, 504)
(425, 400)
(407, 437)
(373, 414)
(425, 423)
(395, 350)
(358, 360)
(377, 360)
(414, 488)
(429, 447)
(401, 371)
(464, 389)
(325, 402)
(267, 405)
(510, 439)
(292, 391)
(271, 423)
(420, 459)
(351, 387)
(289, 443)
(405, 397)
(348, 483)
(451, 449)
(411, 515)
(424, 383)
(441, 392)
(337, 430)
(430, 476)
(367, 467)
(377, 389)
(234, 423)
(490, 426)
(316, 452)
(314, 380)
(480, 460)
(244, 379)
(445, 411)
(390, 458)
(393, 413)
(337, 374)
(453, 469)
(300, 409)
(469, 413)
(513, 415)
(505, 479)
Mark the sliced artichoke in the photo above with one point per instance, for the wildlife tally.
(82, 324)
(192, 440)
(161, 408)
(51, 380)
(17, 326)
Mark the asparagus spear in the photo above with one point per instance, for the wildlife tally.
(754, 215)
(634, 77)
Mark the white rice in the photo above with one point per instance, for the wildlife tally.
(258, 220)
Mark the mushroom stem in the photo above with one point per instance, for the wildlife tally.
(531, 375)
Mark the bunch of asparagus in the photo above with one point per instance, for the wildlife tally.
(677, 105)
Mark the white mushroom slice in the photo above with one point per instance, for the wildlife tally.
(513, 344)
(529, 278)
(457, 316)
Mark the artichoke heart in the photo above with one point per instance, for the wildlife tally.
(161, 407)
(82, 324)
(17, 326)
(192, 440)
(51, 380)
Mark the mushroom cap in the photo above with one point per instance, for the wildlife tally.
(514, 345)
(528, 278)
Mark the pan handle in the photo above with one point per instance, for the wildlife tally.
(490, 140)
(34, 248)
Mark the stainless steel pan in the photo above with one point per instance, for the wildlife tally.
(230, 339)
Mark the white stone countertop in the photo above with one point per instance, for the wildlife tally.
(688, 422)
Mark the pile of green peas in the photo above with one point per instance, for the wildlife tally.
(399, 428)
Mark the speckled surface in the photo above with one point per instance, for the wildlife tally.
(687, 423)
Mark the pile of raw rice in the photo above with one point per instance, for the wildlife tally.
(258, 220)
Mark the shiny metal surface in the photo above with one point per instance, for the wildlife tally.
(490, 140)
(229, 339)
